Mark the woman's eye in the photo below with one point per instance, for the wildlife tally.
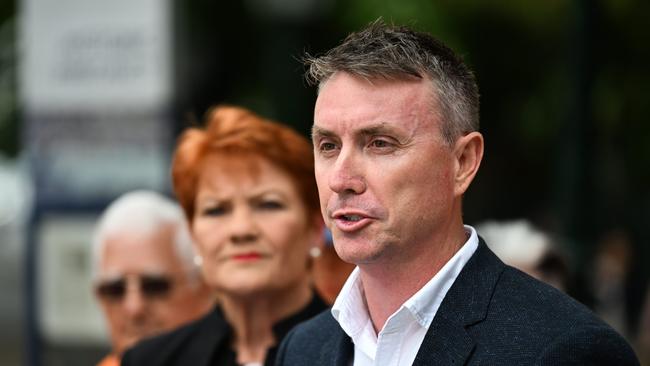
(271, 205)
(214, 211)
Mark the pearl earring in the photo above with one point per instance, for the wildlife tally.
(315, 252)
(198, 260)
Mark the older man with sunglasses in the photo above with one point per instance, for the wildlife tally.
(144, 274)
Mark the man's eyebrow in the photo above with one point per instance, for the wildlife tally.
(317, 131)
(378, 129)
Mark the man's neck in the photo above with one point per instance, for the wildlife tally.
(387, 285)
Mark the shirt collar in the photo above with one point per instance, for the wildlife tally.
(424, 304)
(350, 309)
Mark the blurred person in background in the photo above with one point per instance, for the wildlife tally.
(247, 187)
(618, 283)
(643, 339)
(611, 265)
(144, 274)
(519, 244)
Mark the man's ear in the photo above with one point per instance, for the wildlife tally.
(468, 153)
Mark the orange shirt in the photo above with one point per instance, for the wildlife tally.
(109, 360)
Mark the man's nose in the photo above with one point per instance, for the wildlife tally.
(134, 302)
(346, 176)
(243, 227)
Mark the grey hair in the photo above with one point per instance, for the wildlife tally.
(397, 53)
(144, 212)
(515, 242)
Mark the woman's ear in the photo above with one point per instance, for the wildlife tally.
(318, 240)
(468, 153)
(198, 257)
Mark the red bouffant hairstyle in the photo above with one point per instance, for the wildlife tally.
(235, 131)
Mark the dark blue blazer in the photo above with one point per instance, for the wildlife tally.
(492, 315)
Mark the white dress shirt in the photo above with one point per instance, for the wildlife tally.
(399, 340)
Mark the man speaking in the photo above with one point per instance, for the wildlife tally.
(396, 145)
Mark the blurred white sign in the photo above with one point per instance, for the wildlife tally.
(95, 83)
(95, 54)
(67, 306)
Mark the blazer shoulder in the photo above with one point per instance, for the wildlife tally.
(317, 329)
(590, 345)
(163, 349)
(519, 292)
(552, 323)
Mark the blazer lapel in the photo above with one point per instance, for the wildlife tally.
(447, 341)
(338, 351)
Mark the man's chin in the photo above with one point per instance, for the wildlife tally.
(357, 254)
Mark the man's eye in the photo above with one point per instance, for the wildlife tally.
(380, 143)
(326, 146)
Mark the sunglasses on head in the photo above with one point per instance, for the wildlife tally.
(151, 286)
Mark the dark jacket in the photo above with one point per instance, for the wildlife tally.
(207, 341)
(492, 315)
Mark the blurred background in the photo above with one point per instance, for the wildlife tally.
(93, 94)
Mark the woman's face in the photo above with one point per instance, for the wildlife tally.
(251, 227)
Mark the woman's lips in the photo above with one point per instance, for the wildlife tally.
(247, 257)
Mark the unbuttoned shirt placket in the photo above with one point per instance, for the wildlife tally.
(397, 336)
(398, 342)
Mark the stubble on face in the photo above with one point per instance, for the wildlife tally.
(378, 149)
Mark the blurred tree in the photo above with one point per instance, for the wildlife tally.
(250, 56)
(9, 136)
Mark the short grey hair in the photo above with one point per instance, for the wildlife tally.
(396, 53)
(144, 211)
(515, 242)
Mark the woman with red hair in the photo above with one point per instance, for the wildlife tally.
(247, 187)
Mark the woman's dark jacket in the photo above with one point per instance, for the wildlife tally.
(208, 341)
